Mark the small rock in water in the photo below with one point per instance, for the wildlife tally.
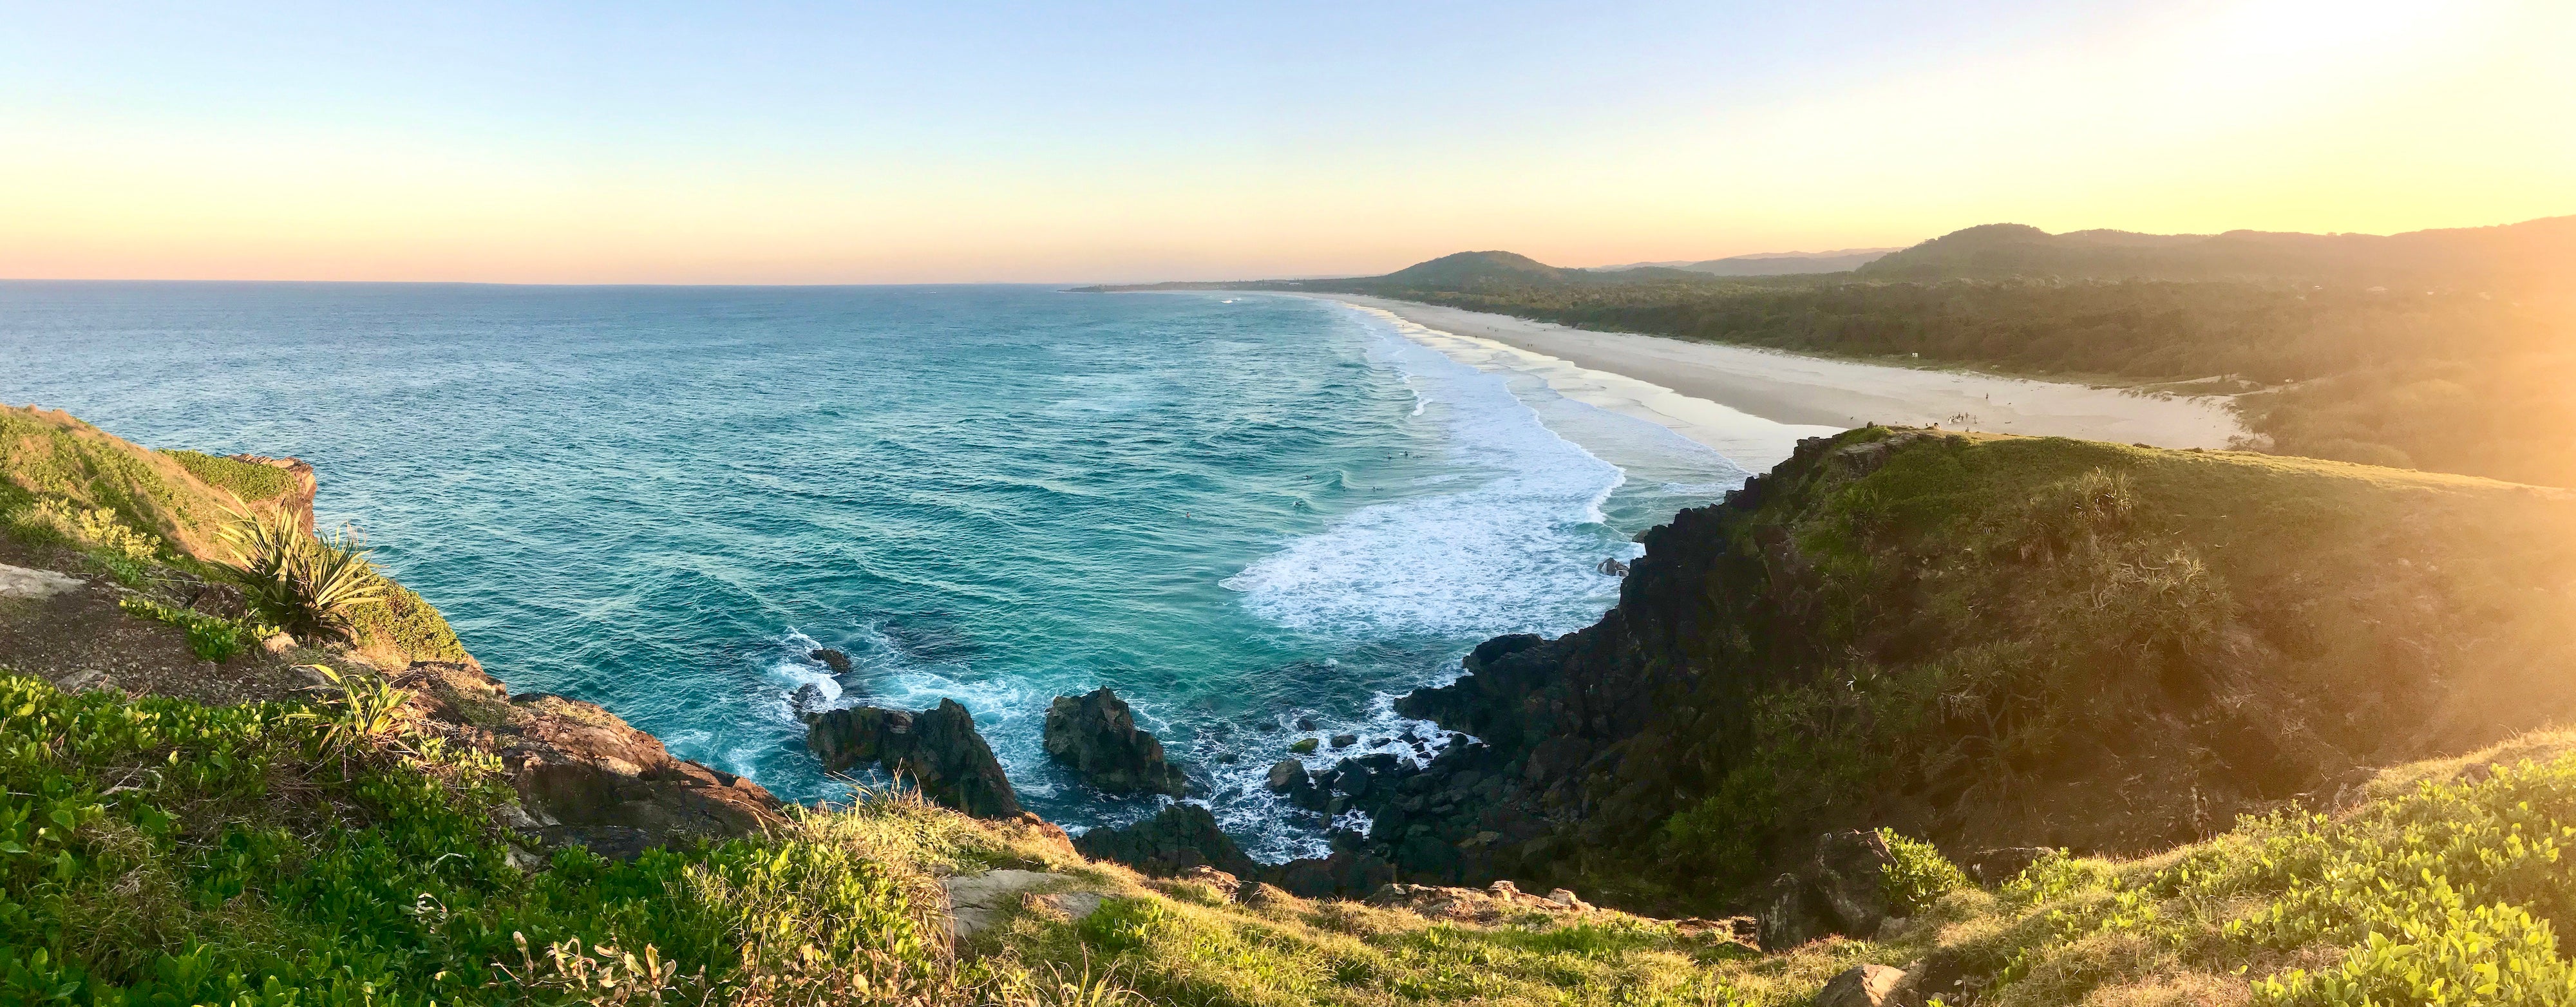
(807, 701)
(1305, 723)
(1613, 568)
(1345, 740)
(1303, 746)
(833, 659)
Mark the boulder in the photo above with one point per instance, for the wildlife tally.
(585, 777)
(1861, 986)
(938, 750)
(1175, 840)
(833, 659)
(221, 600)
(1790, 916)
(977, 901)
(1850, 875)
(807, 701)
(1348, 873)
(1096, 735)
(1842, 890)
(1263, 893)
(1223, 883)
(1497, 902)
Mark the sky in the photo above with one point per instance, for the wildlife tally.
(641, 142)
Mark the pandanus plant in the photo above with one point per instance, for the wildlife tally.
(307, 583)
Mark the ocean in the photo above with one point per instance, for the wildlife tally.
(1241, 511)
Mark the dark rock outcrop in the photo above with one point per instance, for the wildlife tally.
(937, 750)
(1288, 778)
(1177, 839)
(1096, 735)
(833, 659)
(1841, 891)
(1352, 870)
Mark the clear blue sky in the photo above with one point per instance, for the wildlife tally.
(1063, 141)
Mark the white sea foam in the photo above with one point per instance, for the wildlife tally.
(1516, 551)
(799, 670)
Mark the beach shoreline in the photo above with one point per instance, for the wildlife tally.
(1819, 393)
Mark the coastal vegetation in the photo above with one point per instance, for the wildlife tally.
(2109, 714)
(2441, 350)
(1993, 642)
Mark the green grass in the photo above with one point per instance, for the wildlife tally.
(250, 481)
(212, 638)
(158, 851)
(402, 622)
(52, 458)
(2453, 891)
(131, 510)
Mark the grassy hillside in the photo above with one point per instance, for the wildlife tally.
(146, 515)
(1994, 642)
(161, 852)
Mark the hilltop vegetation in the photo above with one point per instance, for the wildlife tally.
(2508, 259)
(2441, 350)
(153, 519)
(1994, 642)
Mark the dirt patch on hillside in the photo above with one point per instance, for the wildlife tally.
(80, 639)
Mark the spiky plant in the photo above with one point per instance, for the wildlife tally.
(307, 583)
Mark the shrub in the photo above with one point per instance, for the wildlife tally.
(97, 528)
(310, 585)
(1919, 875)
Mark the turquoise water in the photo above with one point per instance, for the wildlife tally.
(1239, 511)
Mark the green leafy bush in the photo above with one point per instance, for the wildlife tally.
(1920, 874)
(2451, 893)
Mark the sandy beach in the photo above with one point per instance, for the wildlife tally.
(1756, 390)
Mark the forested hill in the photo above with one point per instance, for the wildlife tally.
(2512, 258)
(2443, 350)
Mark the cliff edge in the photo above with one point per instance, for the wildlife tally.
(1996, 643)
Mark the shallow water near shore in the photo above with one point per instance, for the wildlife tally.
(1239, 511)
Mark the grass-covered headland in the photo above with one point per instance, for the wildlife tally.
(158, 851)
(228, 778)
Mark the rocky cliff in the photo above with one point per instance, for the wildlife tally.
(1993, 642)
(120, 544)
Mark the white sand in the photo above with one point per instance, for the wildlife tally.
(1751, 405)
